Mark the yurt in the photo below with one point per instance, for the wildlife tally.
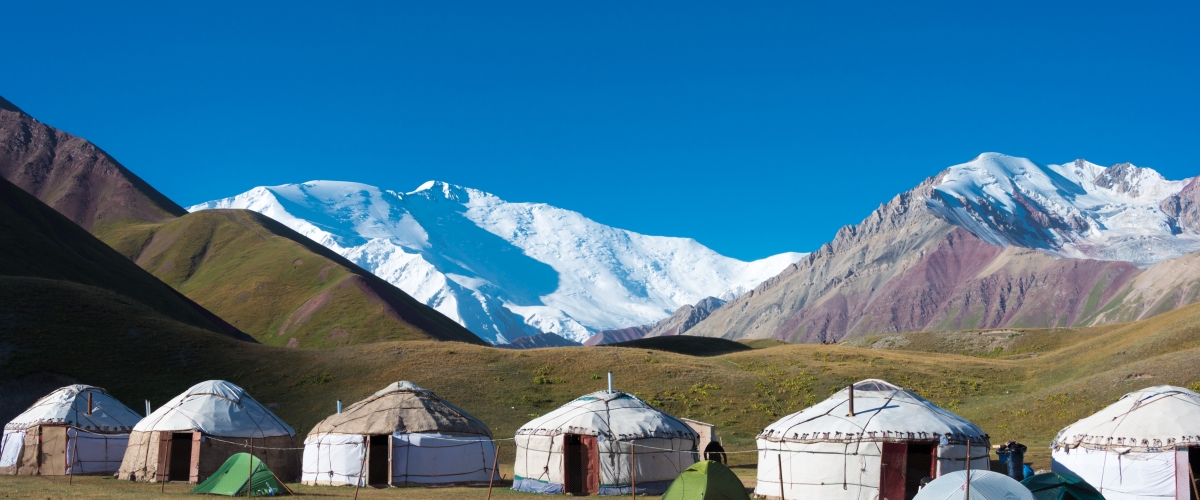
(78, 429)
(983, 485)
(871, 440)
(402, 435)
(605, 443)
(1140, 447)
(190, 437)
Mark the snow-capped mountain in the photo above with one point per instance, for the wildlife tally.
(502, 269)
(1078, 209)
(998, 241)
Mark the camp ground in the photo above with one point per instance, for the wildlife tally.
(869, 439)
(190, 437)
(402, 435)
(607, 443)
(77, 429)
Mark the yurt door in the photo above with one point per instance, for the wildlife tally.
(581, 464)
(379, 464)
(891, 471)
(53, 451)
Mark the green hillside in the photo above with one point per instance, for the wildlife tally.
(37, 241)
(275, 284)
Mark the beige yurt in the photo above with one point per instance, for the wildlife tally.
(1140, 447)
(77, 429)
(882, 448)
(402, 435)
(590, 446)
(192, 435)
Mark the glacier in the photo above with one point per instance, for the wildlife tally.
(1074, 210)
(506, 270)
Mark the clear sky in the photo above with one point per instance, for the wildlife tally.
(753, 128)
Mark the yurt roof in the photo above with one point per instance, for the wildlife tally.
(1154, 417)
(985, 485)
(401, 407)
(217, 408)
(615, 415)
(882, 412)
(69, 406)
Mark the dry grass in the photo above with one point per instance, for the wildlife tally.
(1039, 382)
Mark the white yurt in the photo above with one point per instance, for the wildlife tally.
(1137, 448)
(593, 444)
(881, 448)
(192, 435)
(984, 485)
(402, 435)
(79, 429)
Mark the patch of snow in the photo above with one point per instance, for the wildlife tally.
(1078, 209)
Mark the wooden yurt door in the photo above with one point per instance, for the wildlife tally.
(581, 465)
(891, 471)
(53, 451)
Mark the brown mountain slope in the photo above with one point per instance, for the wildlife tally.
(906, 269)
(74, 176)
(37, 241)
(275, 284)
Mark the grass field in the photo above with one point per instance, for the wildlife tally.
(1016, 384)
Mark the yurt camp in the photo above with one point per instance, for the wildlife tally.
(870, 440)
(1140, 447)
(606, 443)
(78, 429)
(402, 435)
(191, 436)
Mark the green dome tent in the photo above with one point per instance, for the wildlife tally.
(706, 480)
(234, 476)
(1054, 486)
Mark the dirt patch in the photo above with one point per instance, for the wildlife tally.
(241, 297)
(297, 262)
(339, 334)
(292, 342)
(323, 274)
(302, 314)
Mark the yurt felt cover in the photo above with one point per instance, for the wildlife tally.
(883, 412)
(619, 421)
(68, 406)
(233, 477)
(805, 441)
(985, 485)
(1148, 420)
(1055, 486)
(401, 407)
(707, 480)
(216, 408)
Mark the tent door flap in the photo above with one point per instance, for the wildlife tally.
(581, 464)
(54, 451)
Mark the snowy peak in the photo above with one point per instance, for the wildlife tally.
(506, 270)
(1077, 209)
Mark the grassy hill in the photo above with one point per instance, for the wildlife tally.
(1038, 382)
(275, 284)
(37, 241)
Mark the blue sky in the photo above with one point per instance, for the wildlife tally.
(753, 129)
